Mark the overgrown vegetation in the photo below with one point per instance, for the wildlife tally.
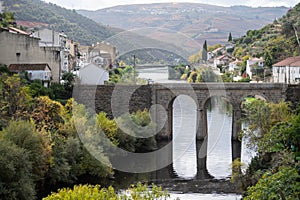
(7, 19)
(125, 75)
(204, 74)
(41, 150)
(135, 192)
(274, 133)
(273, 42)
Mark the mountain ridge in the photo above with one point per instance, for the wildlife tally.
(199, 22)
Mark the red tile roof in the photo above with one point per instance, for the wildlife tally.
(22, 67)
(291, 61)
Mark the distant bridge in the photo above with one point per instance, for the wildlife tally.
(145, 66)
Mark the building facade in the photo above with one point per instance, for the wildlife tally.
(93, 74)
(19, 48)
(255, 66)
(287, 71)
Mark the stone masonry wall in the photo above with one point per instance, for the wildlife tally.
(102, 97)
(293, 95)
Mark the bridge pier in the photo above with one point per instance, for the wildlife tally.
(201, 124)
(236, 123)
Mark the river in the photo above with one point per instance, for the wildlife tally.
(219, 151)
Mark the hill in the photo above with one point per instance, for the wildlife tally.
(76, 26)
(194, 22)
(275, 41)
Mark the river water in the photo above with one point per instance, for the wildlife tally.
(219, 151)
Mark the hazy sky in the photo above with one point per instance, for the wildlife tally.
(98, 4)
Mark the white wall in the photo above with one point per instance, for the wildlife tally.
(286, 74)
(39, 74)
(93, 75)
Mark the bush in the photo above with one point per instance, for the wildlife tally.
(89, 192)
(282, 185)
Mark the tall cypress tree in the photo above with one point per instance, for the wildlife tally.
(204, 52)
(229, 37)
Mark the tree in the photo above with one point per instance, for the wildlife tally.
(24, 135)
(68, 79)
(229, 37)
(15, 100)
(15, 178)
(204, 52)
(47, 114)
(7, 19)
(281, 185)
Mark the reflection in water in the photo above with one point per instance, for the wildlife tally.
(219, 151)
(184, 135)
(219, 154)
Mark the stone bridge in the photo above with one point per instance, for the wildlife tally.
(119, 99)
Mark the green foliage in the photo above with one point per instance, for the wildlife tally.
(89, 192)
(59, 91)
(283, 184)
(109, 127)
(7, 19)
(47, 114)
(273, 129)
(125, 75)
(261, 116)
(36, 88)
(15, 178)
(14, 99)
(227, 77)
(4, 69)
(24, 135)
(84, 192)
(175, 72)
(247, 79)
(273, 42)
(124, 137)
(208, 75)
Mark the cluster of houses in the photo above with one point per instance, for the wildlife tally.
(45, 55)
(285, 71)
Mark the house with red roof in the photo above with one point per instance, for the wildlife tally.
(34, 71)
(287, 71)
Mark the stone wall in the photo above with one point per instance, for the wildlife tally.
(19, 48)
(293, 95)
(114, 100)
(118, 99)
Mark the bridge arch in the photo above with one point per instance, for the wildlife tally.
(184, 115)
(257, 95)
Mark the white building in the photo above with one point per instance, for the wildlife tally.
(103, 50)
(233, 65)
(222, 60)
(33, 71)
(254, 66)
(93, 74)
(287, 71)
(50, 38)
